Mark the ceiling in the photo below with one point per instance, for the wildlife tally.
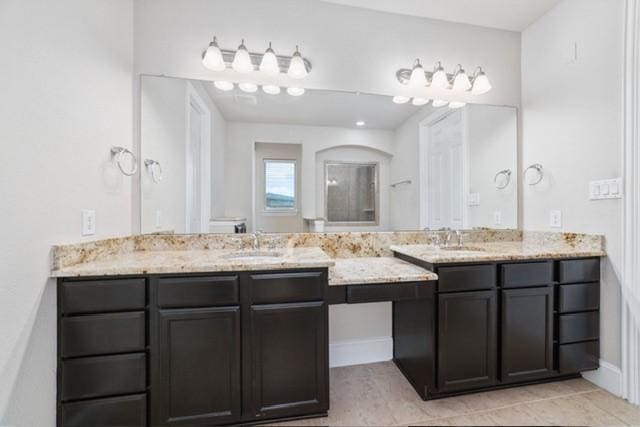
(314, 108)
(512, 15)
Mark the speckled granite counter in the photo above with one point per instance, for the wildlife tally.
(349, 271)
(496, 251)
(194, 261)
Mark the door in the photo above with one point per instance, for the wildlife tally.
(199, 351)
(446, 173)
(289, 359)
(467, 345)
(527, 333)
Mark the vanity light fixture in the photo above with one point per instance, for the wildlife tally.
(481, 83)
(223, 85)
(461, 81)
(297, 67)
(248, 87)
(212, 57)
(439, 77)
(418, 78)
(454, 105)
(269, 64)
(242, 60)
(295, 91)
(401, 99)
(439, 103)
(271, 89)
(418, 102)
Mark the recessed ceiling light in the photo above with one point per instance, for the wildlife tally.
(401, 99)
(222, 85)
(360, 123)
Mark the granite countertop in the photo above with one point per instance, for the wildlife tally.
(195, 261)
(494, 251)
(348, 271)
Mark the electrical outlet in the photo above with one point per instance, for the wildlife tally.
(497, 218)
(88, 222)
(158, 219)
(606, 189)
(473, 199)
(555, 219)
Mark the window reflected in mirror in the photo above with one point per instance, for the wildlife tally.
(351, 196)
(280, 184)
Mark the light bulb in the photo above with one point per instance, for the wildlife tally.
(481, 83)
(401, 99)
(439, 80)
(454, 105)
(242, 60)
(297, 68)
(295, 91)
(248, 87)
(222, 85)
(212, 57)
(420, 101)
(271, 89)
(461, 81)
(439, 103)
(360, 123)
(418, 78)
(269, 64)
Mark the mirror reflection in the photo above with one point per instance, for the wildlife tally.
(229, 161)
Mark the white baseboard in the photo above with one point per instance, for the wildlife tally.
(607, 377)
(359, 352)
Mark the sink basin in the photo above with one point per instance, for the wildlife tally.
(462, 249)
(252, 255)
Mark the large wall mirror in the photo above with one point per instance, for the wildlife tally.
(228, 161)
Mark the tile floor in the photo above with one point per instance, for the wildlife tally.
(378, 395)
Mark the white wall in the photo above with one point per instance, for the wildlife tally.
(241, 138)
(350, 48)
(66, 99)
(572, 125)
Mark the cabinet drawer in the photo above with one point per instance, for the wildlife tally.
(580, 270)
(103, 376)
(191, 292)
(388, 292)
(579, 357)
(580, 297)
(103, 333)
(466, 278)
(103, 296)
(287, 287)
(116, 411)
(579, 327)
(526, 274)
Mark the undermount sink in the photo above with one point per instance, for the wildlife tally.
(253, 255)
(462, 249)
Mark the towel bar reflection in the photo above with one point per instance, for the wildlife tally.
(155, 170)
(407, 182)
(118, 154)
(540, 172)
(505, 182)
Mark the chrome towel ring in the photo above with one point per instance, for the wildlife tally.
(507, 174)
(118, 153)
(539, 170)
(155, 170)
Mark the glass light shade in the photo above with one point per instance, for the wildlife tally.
(297, 68)
(271, 89)
(401, 99)
(242, 60)
(248, 87)
(418, 78)
(481, 84)
(461, 82)
(269, 64)
(439, 80)
(223, 85)
(439, 103)
(212, 58)
(454, 105)
(420, 101)
(295, 91)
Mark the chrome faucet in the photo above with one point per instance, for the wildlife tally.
(256, 240)
(460, 238)
(449, 236)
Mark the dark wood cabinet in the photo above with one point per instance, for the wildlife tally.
(289, 359)
(526, 334)
(199, 362)
(467, 346)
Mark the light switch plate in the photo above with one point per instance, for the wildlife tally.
(473, 199)
(606, 189)
(158, 219)
(497, 218)
(555, 219)
(88, 222)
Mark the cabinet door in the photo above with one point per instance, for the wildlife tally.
(466, 340)
(199, 352)
(527, 334)
(289, 359)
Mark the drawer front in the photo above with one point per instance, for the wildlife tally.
(287, 287)
(116, 411)
(526, 274)
(103, 296)
(579, 357)
(579, 327)
(103, 334)
(388, 292)
(580, 270)
(103, 376)
(191, 292)
(581, 297)
(466, 278)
